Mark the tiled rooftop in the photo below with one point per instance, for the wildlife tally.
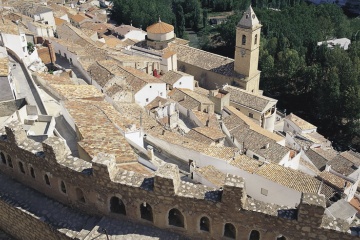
(130, 113)
(78, 92)
(160, 27)
(315, 137)
(206, 118)
(352, 157)
(254, 126)
(289, 178)
(254, 101)
(97, 131)
(172, 77)
(253, 140)
(301, 123)
(245, 163)
(192, 99)
(107, 69)
(213, 175)
(4, 67)
(203, 59)
(342, 165)
(316, 157)
(332, 179)
(124, 29)
(309, 165)
(209, 132)
(56, 79)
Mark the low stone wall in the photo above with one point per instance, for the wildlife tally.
(23, 225)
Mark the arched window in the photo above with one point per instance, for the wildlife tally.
(21, 167)
(117, 206)
(47, 180)
(243, 40)
(3, 159)
(176, 218)
(62, 187)
(229, 231)
(9, 161)
(256, 39)
(205, 224)
(32, 172)
(254, 235)
(146, 211)
(80, 195)
(281, 238)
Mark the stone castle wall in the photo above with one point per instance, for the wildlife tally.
(101, 188)
(22, 225)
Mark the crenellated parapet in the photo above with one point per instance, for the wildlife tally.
(55, 149)
(311, 209)
(103, 187)
(15, 133)
(104, 167)
(234, 193)
(167, 180)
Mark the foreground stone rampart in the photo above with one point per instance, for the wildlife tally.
(103, 188)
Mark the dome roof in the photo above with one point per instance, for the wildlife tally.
(160, 27)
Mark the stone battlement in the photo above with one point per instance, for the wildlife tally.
(103, 188)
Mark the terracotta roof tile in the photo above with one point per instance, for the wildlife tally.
(98, 132)
(213, 175)
(250, 100)
(4, 67)
(301, 123)
(332, 179)
(160, 27)
(289, 178)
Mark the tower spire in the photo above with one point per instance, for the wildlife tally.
(249, 19)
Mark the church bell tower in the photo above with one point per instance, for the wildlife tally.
(247, 50)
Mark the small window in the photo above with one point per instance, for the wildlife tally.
(176, 218)
(9, 161)
(117, 206)
(281, 238)
(256, 39)
(150, 86)
(179, 83)
(146, 211)
(287, 125)
(251, 115)
(21, 167)
(80, 195)
(205, 224)
(24, 49)
(264, 191)
(243, 40)
(47, 180)
(32, 172)
(23, 38)
(254, 235)
(3, 159)
(255, 157)
(161, 93)
(63, 187)
(229, 231)
(46, 22)
(147, 100)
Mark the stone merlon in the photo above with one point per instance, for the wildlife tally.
(167, 179)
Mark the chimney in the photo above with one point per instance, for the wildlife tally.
(266, 146)
(150, 152)
(160, 105)
(184, 98)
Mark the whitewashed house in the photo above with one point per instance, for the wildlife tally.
(177, 79)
